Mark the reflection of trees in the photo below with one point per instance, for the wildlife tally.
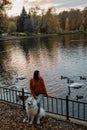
(6, 72)
(67, 41)
(36, 52)
(2, 56)
(73, 41)
(51, 46)
(40, 50)
(27, 45)
(48, 43)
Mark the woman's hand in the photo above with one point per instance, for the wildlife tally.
(35, 97)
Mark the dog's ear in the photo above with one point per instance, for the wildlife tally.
(31, 96)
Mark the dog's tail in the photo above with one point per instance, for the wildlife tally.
(42, 112)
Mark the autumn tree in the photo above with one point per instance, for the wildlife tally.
(67, 24)
(81, 29)
(12, 27)
(50, 22)
(84, 12)
(62, 18)
(43, 24)
(74, 19)
(4, 5)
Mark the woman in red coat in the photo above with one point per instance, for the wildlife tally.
(37, 87)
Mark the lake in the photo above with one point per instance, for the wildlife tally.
(53, 56)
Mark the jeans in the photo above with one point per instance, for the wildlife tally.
(40, 98)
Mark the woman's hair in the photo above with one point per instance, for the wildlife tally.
(36, 75)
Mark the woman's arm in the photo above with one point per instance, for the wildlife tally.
(44, 88)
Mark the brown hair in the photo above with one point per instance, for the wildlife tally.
(36, 75)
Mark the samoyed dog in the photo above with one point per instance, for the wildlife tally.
(32, 111)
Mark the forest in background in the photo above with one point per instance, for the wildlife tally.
(39, 20)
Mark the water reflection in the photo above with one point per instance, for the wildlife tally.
(53, 56)
(40, 53)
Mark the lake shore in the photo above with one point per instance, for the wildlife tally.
(14, 37)
(10, 37)
(11, 118)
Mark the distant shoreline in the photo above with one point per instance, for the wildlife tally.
(72, 32)
(14, 37)
(24, 37)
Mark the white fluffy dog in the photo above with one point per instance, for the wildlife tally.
(32, 111)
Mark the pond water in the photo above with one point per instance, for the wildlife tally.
(53, 56)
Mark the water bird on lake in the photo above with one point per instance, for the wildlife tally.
(64, 77)
(82, 78)
(79, 97)
(75, 85)
(69, 80)
(20, 77)
(13, 87)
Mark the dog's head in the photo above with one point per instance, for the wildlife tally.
(31, 101)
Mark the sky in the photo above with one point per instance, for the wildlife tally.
(60, 5)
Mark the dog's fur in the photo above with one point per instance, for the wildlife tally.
(32, 111)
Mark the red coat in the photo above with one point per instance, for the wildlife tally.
(37, 87)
